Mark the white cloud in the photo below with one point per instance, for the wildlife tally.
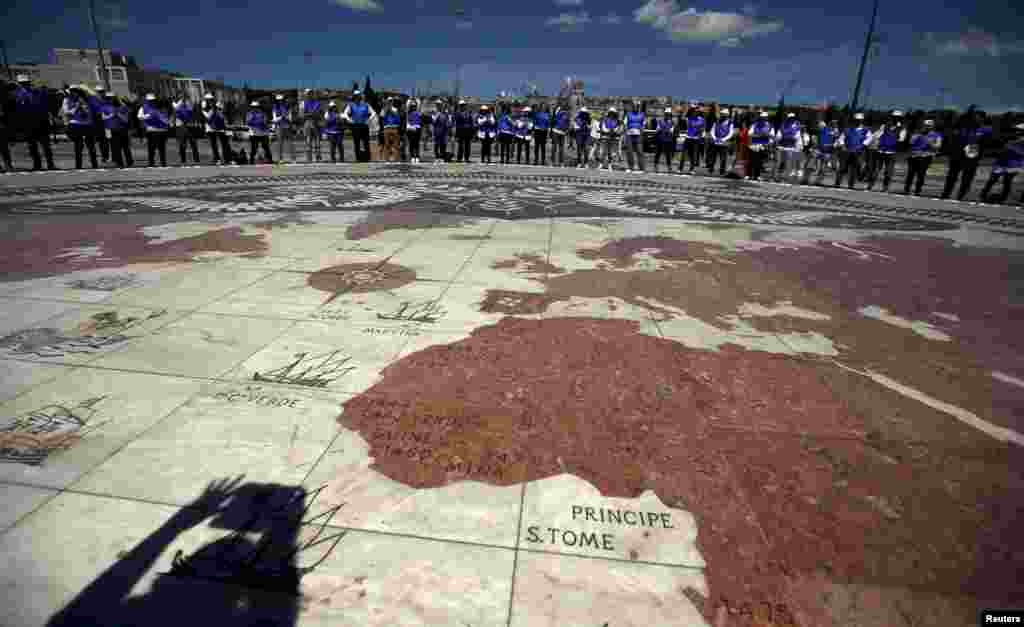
(360, 5)
(975, 42)
(569, 21)
(691, 25)
(569, 3)
(611, 18)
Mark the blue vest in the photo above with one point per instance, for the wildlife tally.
(392, 119)
(635, 120)
(183, 112)
(826, 140)
(542, 120)
(522, 127)
(505, 124)
(562, 120)
(790, 132)
(281, 110)
(855, 139)
(760, 133)
(442, 123)
(311, 107)
(1014, 155)
(112, 117)
(583, 122)
(413, 121)
(889, 139)
(331, 122)
(463, 121)
(359, 112)
(215, 119)
(610, 126)
(257, 121)
(920, 143)
(158, 121)
(30, 100)
(665, 130)
(695, 126)
(723, 128)
(80, 113)
(95, 103)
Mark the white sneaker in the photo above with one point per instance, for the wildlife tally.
(628, 171)
(579, 167)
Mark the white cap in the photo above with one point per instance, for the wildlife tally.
(462, 102)
(723, 112)
(668, 109)
(208, 97)
(100, 88)
(280, 96)
(332, 104)
(150, 97)
(482, 107)
(929, 122)
(527, 110)
(764, 114)
(858, 116)
(584, 110)
(790, 115)
(822, 124)
(309, 91)
(22, 78)
(254, 104)
(357, 93)
(897, 114)
(612, 110)
(1020, 127)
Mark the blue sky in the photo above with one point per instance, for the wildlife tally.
(956, 53)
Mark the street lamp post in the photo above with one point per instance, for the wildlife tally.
(864, 58)
(99, 45)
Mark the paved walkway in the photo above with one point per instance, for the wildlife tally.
(392, 395)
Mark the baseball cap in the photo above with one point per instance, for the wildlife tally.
(791, 115)
(280, 97)
(668, 109)
(764, 114)
(208, 97)
(22, 78)
(254, 104)
(722, 112)
(150, 97)
(858, 116)
(929, 122)
(332, 104)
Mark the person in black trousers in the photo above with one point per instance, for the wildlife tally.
(216, 130)
(81, 125)
(965, 152)
(924, 145)
(463, 132)
(156, 119)
(414, 130)
(32, 112)
(6, 101)
(541, 124)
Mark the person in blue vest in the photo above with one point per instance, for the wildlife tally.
(414, 130)
(184, 120)
(560, 123)
(332, 130)
(442, 127)
(311, 112)
(259, 132)
(891, 136)
(695, 133)
(32, 113)
(524, 134)
(924, 145)
(966, 146)
(116, 120)
(723, 138)
(157, 123)
(79, 118)
(392, 123)
(486, 129)
(6, 109)
(611, 136)
(281, 116)
(541, 123)
(664, 140)
(789, 140)
(359, 115)
(1009, 162)
(761, 137)
(822, 154)
(463, 132)
(216, 130)
(854, 141)
(581, 126)
(99, 130)
(506, 135)
(635, 121)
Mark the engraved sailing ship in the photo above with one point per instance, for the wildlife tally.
(31, 438)
(428, 311)
(311, 371)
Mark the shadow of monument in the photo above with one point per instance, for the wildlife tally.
(249, 577)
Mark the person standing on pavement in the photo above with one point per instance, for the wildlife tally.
(117, 120)
(6, 109)
(524, 135)
(611, 135)
(487, 128)
(414, 130)
(506, 135)
(581, 127)
(541, 123)
(559, 130)
(891, 136)
(664, 140)
(463, 132)
(924, 145)
(184, 128)
(635, 121)
(392, 119)
(311, 116)
(332, 129)
(789, 139)
(761, 136)
(282, 118)
(157, 123)
(80, 120)
(965, 152)
(1008, 164)
(33, 114)
(99, 131)
(259, 132)
(216, 131)
(821, 155)
(855, 141)
(359, 116)
(695, 131)
(442, 123)
(723, 135)
(870, 163)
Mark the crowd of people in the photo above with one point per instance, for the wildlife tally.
(749, 145)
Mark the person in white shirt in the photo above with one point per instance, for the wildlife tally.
(184, 117)
(360, 116)
(157, 122)
(790, 140)
(282, 117)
